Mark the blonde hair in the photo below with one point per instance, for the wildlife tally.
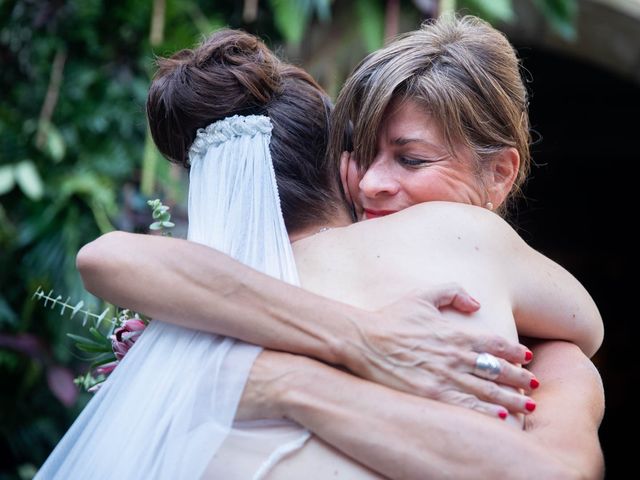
(464, 72)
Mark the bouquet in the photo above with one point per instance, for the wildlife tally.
(109, 336)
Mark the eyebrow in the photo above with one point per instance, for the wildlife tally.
(400, 141)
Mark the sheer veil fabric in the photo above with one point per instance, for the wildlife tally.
(166, 411)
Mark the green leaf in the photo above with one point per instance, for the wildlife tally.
(493, 11)
(90, 348)
(84, 340)
(371, 17)
(102, 359)
(561, 15)
(291, 18)
(100, 338)
(323, 9)
(55, 146)
(7, 179)
(29, 180)
(7, 315)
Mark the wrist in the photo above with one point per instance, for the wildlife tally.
(347, 344)
(283, 377)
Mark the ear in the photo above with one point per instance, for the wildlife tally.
(350, 177)
(503, 172)
(344, 176)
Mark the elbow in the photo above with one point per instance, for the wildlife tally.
(95, 259)
(594, 338)
(563, 471)
(598, 337)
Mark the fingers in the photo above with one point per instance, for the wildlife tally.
(451, 295)
(502, 348)
(510, 375)
(497, 395)
(473, 403)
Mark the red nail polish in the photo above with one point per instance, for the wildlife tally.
(534, 383)
(502, 414)
(530, 405)
(528, 355)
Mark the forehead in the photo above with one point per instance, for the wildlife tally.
(406, 118)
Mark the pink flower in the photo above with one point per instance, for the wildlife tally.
(125, 336)
(107, 368)
(95, 388)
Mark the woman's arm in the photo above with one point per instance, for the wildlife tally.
(548, 302)
(407, 437)
(195, 286)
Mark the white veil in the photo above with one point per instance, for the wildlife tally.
(168, 407)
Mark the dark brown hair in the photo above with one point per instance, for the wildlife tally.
(234, 73)
(466, 75)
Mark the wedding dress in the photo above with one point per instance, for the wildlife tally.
(168, 407)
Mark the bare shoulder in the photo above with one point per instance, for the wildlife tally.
(476, 228)
(458, 216)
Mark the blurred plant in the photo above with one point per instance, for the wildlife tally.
(76, 159)
(560, 14)
(110, 338)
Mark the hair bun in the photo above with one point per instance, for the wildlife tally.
(230, 73)
(244, 60)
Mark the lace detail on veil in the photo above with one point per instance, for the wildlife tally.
(227, 129)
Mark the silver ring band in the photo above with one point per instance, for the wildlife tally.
(487, 366)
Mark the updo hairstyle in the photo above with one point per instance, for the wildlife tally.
(234, 73)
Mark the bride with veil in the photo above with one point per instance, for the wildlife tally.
(169, 405)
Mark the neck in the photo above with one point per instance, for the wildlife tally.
(340, 219)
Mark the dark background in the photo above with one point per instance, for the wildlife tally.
(579, 210)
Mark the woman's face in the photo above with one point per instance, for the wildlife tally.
(411, 166)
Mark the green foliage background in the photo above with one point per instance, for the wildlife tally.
(75, 159)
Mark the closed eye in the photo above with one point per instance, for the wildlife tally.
(418, 162)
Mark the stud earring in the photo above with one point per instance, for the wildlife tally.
(488, 206)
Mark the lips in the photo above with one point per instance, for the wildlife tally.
(369, 214)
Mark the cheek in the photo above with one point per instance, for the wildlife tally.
(435, 185)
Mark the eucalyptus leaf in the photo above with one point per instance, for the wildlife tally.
(29, 180)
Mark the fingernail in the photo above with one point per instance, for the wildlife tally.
(528, 355)
(474, 301)
(502, 414)
(530, 405)
(534, 383)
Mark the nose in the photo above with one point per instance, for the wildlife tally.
(378, 180)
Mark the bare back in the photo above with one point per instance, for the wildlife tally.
(373, 263)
